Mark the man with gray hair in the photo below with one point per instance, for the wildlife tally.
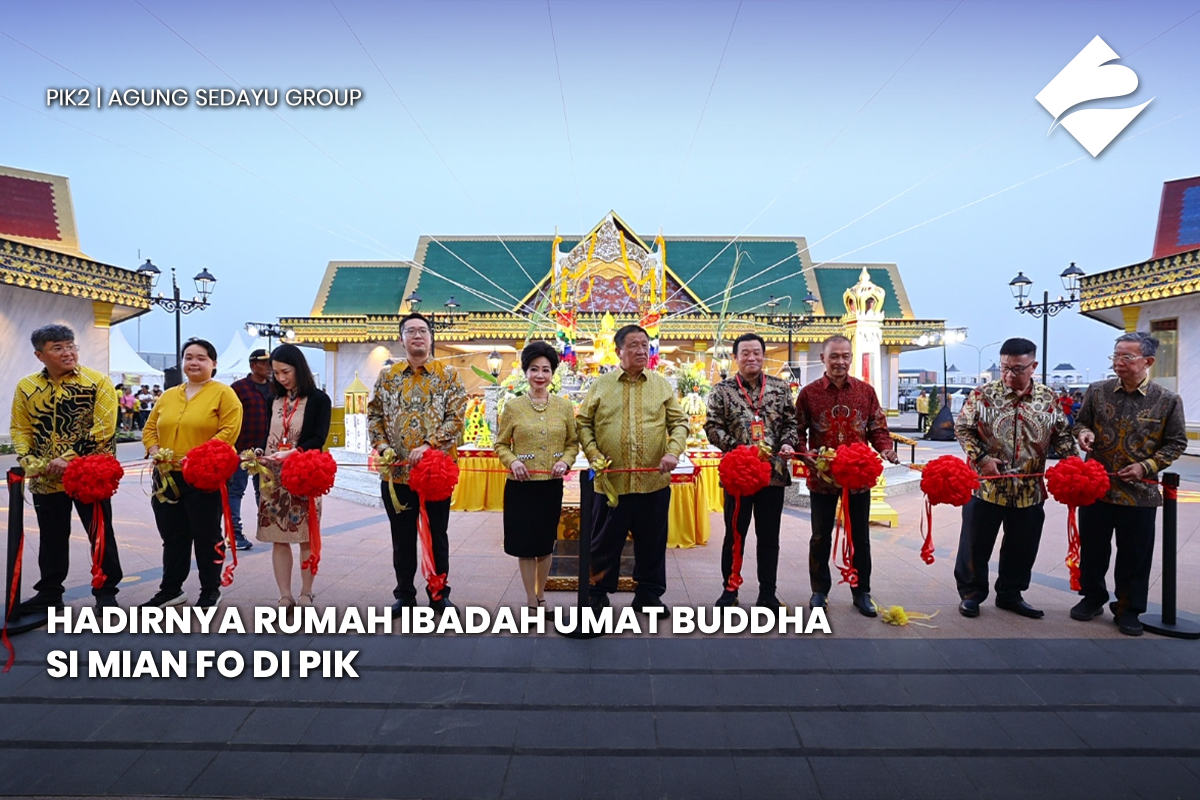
(1135, 428)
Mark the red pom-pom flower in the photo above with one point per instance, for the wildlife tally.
(310, 473)
(946, 479)
(856, 466)
(90, 479)
(949, 480)
(743, 473)
(1075, 482)
(433, 479)
(210, 466)
(93, 479)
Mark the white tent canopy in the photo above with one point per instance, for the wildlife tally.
(234, 361)
(125, 365)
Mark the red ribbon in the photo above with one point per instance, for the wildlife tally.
(735, 572)
(98, 576)
(314, 538)
(1073, 548)
(927, 547)
(227, 543)
(435, 580)
(849, 573)
(16, 584)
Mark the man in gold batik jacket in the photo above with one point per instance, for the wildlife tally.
(632, 420)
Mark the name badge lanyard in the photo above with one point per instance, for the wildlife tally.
(757, 429)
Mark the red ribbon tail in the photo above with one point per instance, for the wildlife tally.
(849, 573)
(1073, 548)
(314, 538)
(12, 599)
(735, 572)
(98, 576)
(435, 581)
(927, 547)
(228, 544)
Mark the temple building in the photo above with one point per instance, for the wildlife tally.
(695, 295)
(1162, 296)
(45, 278)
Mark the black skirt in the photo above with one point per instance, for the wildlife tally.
(531, 511)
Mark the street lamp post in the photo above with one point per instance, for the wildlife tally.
(271, 331)
(1047, 308)
(979, 355)
(437, 320)
(792, 323)
(178, 306)
(951, 335)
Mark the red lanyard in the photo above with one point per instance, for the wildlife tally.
(762, 391)
(287, 418)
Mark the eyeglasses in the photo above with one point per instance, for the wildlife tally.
(1124, 358)
(62, 349)
(1014, 369)
(411, 332)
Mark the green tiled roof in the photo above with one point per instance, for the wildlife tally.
(687, 257)
(490, 258)
(366, 290)
(834, 281)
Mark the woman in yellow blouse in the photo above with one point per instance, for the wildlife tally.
(185, 417)
(537, 444)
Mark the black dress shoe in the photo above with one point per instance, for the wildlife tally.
(1020, 607)
(107, 601)
(1129, 624)
(39, 603)
(818, 600)
(865, 605)
(768, 601)
(641, 606)
(1086, 609)
(404, 602)
(1115, 608)
(441, 605)
(599, 601)
(969, 608)
(727, 598)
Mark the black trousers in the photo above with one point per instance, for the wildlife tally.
(823, 509)
(404, 538)
(766, 507)
(54, 553)
(981, 523)
(1134, 526)
(191, 523)
(645, 517)
(921, 420)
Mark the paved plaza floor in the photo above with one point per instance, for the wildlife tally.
(998, 706)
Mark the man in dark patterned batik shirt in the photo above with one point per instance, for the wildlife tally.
(58, 414)
(756, 409)
(1007, 428)
(1135, 428)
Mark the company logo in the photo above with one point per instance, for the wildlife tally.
(1088, 78)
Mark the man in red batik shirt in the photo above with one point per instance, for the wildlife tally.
(833, 410)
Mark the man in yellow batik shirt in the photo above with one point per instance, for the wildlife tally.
(62, 412)
(418, 404)
(632, 419)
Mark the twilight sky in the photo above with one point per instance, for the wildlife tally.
(819, 113)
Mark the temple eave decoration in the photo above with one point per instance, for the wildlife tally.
(1157, 279)
(32, 267)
